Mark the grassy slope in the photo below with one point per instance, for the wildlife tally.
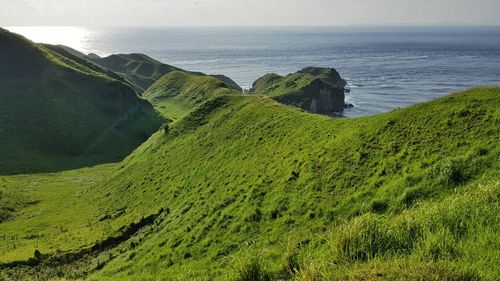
(81, 59)
(274, 85)
(229, 82)
(52, 214)
(178, 92)
(413, 189)
(143, 71)
(254, 190)
(139, 69)
(58, 113)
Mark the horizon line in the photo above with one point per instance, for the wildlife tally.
(276, 26)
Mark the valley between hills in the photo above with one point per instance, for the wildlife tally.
(125, 168)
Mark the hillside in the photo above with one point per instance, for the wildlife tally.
(317, 90)
(229, 82)
(143, 71)
(58, 112)
(81, 59)
(176, 93)
(244, 188)
(139, 69)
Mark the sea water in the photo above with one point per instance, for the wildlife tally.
(385, 67)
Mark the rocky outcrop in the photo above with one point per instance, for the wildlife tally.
(318, 90)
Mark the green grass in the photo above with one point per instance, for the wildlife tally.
(250, 171)
(241, 187)
(446, 239)
(254, 190)
(142, 71)
(59, 113)
(318, 90)
(275, 85)
(229, 82)
(177, 93)
(52, 215)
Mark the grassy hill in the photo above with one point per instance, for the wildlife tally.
(58, 112)
(82, 59)
(143, 71)
(139, 69)
(229, 82)
(176, 93)
(244, 188)
(318, 90)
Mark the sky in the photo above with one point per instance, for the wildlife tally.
(247, 12)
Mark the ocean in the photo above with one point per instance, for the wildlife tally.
(386, 67)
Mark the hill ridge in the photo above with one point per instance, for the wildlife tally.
(55, 106)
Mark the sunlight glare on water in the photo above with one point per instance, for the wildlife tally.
(64, 35)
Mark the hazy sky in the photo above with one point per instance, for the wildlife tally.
(247, 12)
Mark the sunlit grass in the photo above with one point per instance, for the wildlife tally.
(254, 190)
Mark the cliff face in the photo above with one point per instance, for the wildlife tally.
(318, 90)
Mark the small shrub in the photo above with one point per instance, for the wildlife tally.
(37, 255)
(187, 255)
(480, 151)
(165, 128)
(312, 215)
(131, 256)
(274, 214)
(451, 172)
(379, 207)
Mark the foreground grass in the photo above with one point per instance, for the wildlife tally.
(56, 214)
(449, 239)
(249, 189)
(247, 170)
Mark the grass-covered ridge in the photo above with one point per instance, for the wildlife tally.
(59, 113)
(178, 92)
(318, 90)
(249, 189)
(251, 171)
(139, 69)
(143, 71)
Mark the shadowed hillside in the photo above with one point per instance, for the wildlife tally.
(143, 71)
(139, 69)
(59, 112)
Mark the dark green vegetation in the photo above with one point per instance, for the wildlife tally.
(318, 90)
(139, 69)
(244, 188)
(143, 71)
(60, 112)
